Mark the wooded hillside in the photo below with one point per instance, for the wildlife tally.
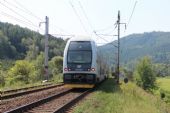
(20, 43)
(132, 47)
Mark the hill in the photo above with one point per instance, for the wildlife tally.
(19, 43)
(132, 47)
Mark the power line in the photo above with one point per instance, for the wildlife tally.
(98, 35)
(91, 24)
(60, 29)
(131, 13)
(78, 17)
(109, 35)
(23, 10)
(18, 14)
(93, 31)
(125, 50)
(104, 29)
(85, 15)
(107, 28)
(27, 11)
(16, 19)
(103, 38)
(62, 35)
(13, 5)
(30, 13)
(111, 43)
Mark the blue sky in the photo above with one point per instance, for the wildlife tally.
(82, 17)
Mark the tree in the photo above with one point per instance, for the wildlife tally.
(6, 49)
(33, 51)
(19, 43)
(144, 74)
(56, 65)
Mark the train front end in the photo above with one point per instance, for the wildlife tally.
(79, 65)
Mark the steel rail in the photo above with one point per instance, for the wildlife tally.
(26, 107)
(25, 88)
(7, 96)
(72, 102)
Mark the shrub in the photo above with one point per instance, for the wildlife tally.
(21, 71)
(144, 74)
(39, 67)
(56, 65)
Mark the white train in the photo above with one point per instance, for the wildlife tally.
(83, 64)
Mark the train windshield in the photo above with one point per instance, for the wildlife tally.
(79, 56)
(80, 52)
(80, 45)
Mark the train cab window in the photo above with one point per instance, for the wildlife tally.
(80, 52)
(79, 57)
(80, 45)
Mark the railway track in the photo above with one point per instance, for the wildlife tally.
(19, 92)
(56, 103)
(22, 89)
(12, 103)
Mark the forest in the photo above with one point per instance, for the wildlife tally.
(22, 55)
(20, 43)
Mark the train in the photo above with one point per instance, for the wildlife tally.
(83, 63)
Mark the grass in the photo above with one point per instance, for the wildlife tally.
(21, 85)
(17, 85)
(164, 87)
(124, 98)
(164, 83)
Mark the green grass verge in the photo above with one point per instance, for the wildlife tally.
(56, 79)
(164, 87)
(124, 98)
(22, 85)
(164, 83)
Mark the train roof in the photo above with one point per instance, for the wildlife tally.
(81, 38)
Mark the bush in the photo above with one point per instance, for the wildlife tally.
(56, 65)
(21, 71)
(144, 74)
(39, 67)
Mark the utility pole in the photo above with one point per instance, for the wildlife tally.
(118, 48)
(46, 47)
(46, 74)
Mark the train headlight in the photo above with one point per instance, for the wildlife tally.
(67, 69)
(92, 69)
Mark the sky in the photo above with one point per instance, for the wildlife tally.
(88, 17)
